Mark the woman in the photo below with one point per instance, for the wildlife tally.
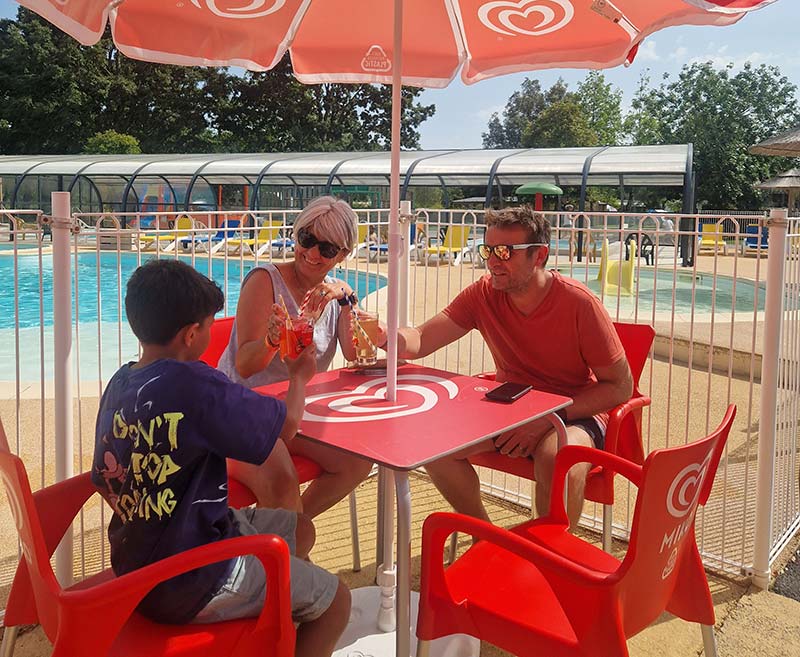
(324, 233)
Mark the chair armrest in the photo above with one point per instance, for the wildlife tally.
(438, 526)
(573, 454)
(59, 504)
(115, 600)
(615, 417)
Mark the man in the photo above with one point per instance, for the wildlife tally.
(542, 329)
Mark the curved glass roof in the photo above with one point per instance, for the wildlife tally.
(616, 165)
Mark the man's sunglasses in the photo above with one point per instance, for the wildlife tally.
(503, 251)
(308, 240)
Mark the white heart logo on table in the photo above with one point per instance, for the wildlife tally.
(507, 17)
(349, 405)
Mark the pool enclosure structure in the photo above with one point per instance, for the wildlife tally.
(264, 181)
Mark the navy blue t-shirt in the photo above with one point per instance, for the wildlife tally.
(162, 436)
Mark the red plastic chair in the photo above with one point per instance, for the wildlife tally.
(539, 590)
(623, 435)
(97, 616)
(307, 470)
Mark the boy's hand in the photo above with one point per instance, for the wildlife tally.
(302, 368)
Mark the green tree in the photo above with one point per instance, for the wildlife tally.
(722, 113)
(540, 118)
(48, 79)
(110, 142)
(642, 125)
(560, 125)
(602, 105)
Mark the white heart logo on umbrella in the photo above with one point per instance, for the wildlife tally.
(254, 10)
(504, 16)
(354, 405)
(685, 488)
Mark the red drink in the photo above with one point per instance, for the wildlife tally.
(298, 334)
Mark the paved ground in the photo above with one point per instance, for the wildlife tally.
(749, 622)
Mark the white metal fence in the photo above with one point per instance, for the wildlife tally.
(704, 291)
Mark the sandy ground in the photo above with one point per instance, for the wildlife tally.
(749, 622)
(687, 402)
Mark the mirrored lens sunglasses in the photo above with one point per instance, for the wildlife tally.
(308, 240)
(503, 251)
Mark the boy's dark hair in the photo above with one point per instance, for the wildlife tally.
(163, 296)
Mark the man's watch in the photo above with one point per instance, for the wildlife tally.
(348, 300)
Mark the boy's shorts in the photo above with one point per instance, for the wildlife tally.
(242, 595)
(592, 426)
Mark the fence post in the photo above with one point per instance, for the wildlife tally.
(773, 320)
(62, 366)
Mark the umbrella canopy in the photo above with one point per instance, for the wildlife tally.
(413, 42)
(529, 189)
(785, 144)
(352, 40)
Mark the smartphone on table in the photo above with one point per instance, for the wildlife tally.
(508, 392)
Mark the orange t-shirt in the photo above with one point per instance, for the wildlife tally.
(555, 347)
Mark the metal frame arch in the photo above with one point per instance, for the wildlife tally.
(338, 165)
(92, 184)
(493, 172)
(263, 173)
(133, 177)
(197, 173)
(587, 165)
(413, 165)
(21, 179)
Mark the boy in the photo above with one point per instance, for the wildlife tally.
(165, 426)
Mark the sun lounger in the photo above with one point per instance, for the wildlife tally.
(213, 243)
(711, 238)
(755, 240)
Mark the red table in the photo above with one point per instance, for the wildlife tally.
(436, 413)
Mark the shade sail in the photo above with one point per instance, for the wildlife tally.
(351, 40)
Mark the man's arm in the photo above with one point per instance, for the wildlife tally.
(419, 341)
(614, 386)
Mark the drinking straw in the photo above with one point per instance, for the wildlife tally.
(285, 310)
(360, 329)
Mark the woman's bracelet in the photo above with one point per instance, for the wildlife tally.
(269, 343)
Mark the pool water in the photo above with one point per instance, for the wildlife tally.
(649, 285)
(101, 280)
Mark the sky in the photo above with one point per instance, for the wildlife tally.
(767, 36)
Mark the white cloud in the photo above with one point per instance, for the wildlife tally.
(647, 52)
(678, 54)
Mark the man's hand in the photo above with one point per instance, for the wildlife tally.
(302, 368)
(522, 441)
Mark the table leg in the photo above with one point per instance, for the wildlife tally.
(403, 600)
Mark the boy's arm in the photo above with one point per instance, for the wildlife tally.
(301, 369)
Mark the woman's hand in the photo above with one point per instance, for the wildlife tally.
(302, 368)
(320, 295)
(276, 324)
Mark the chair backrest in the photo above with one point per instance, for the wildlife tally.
(456, 236)
(636, 340)
(269, 231)
(41, 577)
(220, 336)
(662, 568)
(184, 223)
(712, 232)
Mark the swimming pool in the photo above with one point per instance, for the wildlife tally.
(650, 285)
(101, 290)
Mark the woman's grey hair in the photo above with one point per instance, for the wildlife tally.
(333, 221)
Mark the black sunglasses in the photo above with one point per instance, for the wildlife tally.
(503, 251)
(308, 240)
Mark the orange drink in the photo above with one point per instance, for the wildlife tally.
(297, 335)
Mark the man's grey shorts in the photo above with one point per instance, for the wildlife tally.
(242, 595)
